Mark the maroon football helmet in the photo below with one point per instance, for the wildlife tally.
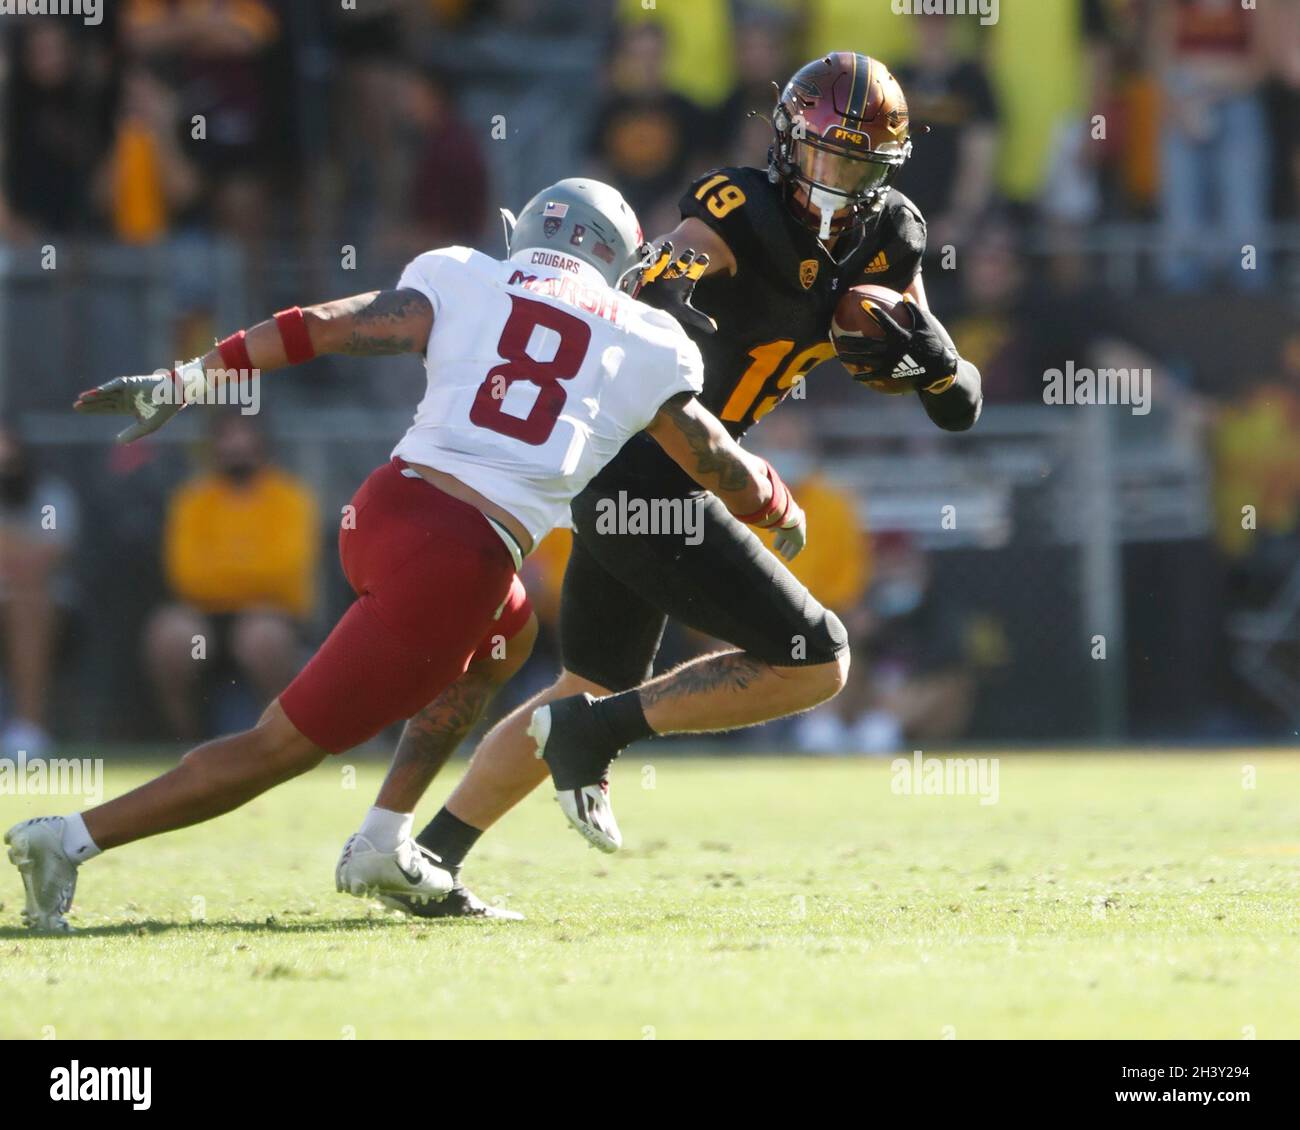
(842, 133)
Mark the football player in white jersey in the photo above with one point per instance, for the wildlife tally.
(539, 368)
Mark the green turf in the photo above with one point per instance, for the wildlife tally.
(1140, 896)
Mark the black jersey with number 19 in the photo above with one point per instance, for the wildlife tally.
(774, 314)
(774, 319)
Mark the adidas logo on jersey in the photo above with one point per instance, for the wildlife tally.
(878, 264)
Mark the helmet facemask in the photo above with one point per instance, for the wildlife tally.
(836, 181)
(629, 282)
(840, 179)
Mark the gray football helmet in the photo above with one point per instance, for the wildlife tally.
(588, 220)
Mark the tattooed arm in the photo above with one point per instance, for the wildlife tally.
(365, 325)
(748, 486)
(704, 449)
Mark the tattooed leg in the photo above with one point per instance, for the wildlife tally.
(431, 737)
(730, 689)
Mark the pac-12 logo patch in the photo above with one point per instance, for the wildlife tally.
(808, 272)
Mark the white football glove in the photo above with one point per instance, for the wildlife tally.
(152, 400)
(791, 535)
(783, 516)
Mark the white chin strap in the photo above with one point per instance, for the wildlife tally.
(828, 203)
(508, 222)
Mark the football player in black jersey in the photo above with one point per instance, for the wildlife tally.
(783, 245)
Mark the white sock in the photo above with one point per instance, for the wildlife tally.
(387, 829)
(77, 844)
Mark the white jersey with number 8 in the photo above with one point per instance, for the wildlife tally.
(538, 373)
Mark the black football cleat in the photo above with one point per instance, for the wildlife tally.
(460, 903)
(579, 752)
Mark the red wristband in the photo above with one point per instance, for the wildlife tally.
(295, 336)
(773, 514)
(234, 352)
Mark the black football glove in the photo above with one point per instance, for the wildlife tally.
(674, 280)
(922, 358)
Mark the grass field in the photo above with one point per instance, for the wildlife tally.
(1102, 896)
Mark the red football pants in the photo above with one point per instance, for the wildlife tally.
(436, 588)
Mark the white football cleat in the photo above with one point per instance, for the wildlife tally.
(49, 876)
(588, 810)
(586, 807)
(363, 870)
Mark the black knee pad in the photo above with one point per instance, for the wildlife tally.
(837, 636)
(823, 639)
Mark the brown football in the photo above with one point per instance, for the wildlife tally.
(853, 320)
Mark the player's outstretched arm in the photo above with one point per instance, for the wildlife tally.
(748, 486)
(379, 323)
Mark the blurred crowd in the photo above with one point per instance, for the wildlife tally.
(288, 128)
(266, 119)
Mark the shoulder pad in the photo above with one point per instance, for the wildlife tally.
(898, 241)
(740, 204)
